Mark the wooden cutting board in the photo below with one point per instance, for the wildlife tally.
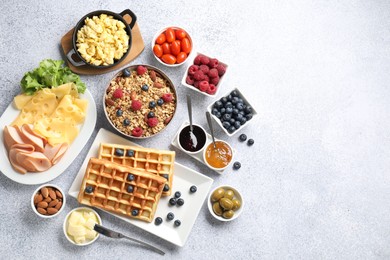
(137, 47)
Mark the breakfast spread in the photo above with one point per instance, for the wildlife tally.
(102, 40)
(140, 102)
(172, 46)
(48, 200)
(121, 189)
(158, 162)
(80, 226)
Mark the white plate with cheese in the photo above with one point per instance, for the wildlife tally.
(33, 178)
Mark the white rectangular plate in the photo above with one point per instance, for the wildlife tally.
(183, 179)
(32, 178)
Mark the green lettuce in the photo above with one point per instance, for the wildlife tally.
(50, 73)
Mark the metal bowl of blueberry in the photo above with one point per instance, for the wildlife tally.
(232, 112)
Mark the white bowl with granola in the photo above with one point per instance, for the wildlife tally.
(140, 101)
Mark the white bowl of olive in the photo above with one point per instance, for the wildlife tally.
(225, 203)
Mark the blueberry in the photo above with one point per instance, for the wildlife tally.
(180, 202)
(166, 187)
(158, 221)
(130, 177)
(238, 117)
(237, 124)
(248, 109)
(224, 100)
(218, 115)
(226, 117)
(226, 124)
(236, 165)
(151, 114)
(193, 189)
(119, 112)
(228, 104)
(126, 73)
(243, 137)
(229, 110)
(119, 152)
(240, 100)
(234, 93)
(126, 122)
(166, 176)
(170, 216)
(177, 194)
(249, 116)
(134, 212)
(222, 110)
(229, 97)
(243, 120)
(177, 222)
(214, 111)
(130, 153)
(234, 100)
(231, 129)
(218, 104)
(251, 142)
(145, 87)
(130, 189)
(89, 189)
(152, 104)
(235, 111)
(242, 113)
(172, 201)
(160, 102)
(240, 106)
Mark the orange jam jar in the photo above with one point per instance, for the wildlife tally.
(219, 157)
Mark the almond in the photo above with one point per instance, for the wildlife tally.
(38, 198)
(110, 102)
(157, 85)
(42, 211)
(48, 199)
(152, 75)
(59, 194)
(167, 120)
(45, 192)
(53, 203)
(52, 194)
(52, 211)
(58, 206)
(42, 204)
(133, 95)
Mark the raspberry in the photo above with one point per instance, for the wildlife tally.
(213, 73)
(204, 60)
(206, 78)
(213, 63)
(189, 80)
(152, 122)
(221, 70)
(214, 81)
(136, 105)
(141, 70)
(196, 84)
(212, 89)
(137, 132)
(203, 86)
(204, 68)
(118, 93)
(192, 69)
(197, 59)
(199, 75)
(167, 97)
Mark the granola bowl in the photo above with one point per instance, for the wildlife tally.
(140, 101)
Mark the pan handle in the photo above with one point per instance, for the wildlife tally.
(74, 63)
(132, 15)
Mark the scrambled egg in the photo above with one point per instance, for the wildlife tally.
(102, 40)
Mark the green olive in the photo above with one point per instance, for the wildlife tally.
(226, 204)
(217, 209)
(236, 204)
(229, 194)
(228, 214)
(217, 194)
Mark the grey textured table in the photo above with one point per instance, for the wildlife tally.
(316, 183)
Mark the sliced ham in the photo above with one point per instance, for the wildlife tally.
(33, 162)
(13, 154)
(55, 153)
(12, 136)
(61, 152)
(29, 137)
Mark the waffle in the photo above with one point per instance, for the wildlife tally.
(159, 162)
(106, 186)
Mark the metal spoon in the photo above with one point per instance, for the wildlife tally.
(211, 128)
(193, 138)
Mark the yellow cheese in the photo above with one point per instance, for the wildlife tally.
(21, 100)
(57, 130)
(68, 109)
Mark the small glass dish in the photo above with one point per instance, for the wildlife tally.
(237, 196)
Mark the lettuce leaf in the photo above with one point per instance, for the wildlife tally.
(50, 73)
